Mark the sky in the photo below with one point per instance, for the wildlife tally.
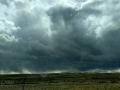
(39, 36)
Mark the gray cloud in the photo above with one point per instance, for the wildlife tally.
(5, 2)
(66, 35)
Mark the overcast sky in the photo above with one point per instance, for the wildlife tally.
(59, 35)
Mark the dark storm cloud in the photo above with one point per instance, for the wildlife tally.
(66, 35)
(70, 38)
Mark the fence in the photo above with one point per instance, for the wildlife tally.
(12, 82)
(7, 82)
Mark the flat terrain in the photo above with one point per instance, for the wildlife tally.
(61, 81)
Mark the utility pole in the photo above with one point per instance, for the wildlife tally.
(24, 82)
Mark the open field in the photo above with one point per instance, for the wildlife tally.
(63, 81)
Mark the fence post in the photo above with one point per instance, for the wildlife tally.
(24, 82)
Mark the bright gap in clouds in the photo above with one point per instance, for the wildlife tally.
(25, 71)
(59, 35)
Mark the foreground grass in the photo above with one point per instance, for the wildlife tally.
(62, 81)
(93, 86)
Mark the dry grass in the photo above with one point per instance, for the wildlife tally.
(70, 86)
(64, 81)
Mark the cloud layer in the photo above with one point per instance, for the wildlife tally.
(66, 35)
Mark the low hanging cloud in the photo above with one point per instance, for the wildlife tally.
(59, 35)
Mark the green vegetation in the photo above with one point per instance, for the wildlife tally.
(62, 81)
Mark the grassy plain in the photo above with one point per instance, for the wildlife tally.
(61, 81)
